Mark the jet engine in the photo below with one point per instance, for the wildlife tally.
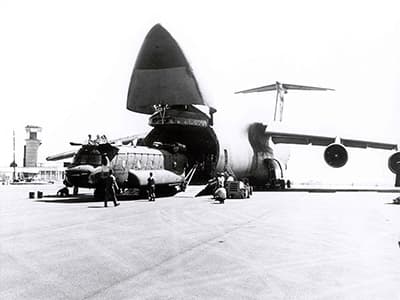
(394, 166)
(394, 163)
(336, 155)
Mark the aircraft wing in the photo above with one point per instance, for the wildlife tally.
(305, 139)
(63, 155)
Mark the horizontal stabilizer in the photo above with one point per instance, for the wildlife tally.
(304, 87)
(271, 87)
(283, 86)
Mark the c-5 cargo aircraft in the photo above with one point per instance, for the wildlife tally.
(163, 86)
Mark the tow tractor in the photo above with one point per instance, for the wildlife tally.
(238, 190)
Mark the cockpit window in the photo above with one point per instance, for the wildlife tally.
(88, 158)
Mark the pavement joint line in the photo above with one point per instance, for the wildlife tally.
(104, 221)
(172, 257)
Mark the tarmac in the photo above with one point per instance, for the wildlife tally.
(274, 245)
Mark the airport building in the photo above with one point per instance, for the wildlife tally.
(32, 170)
(38, 174)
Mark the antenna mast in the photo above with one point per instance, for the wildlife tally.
(14, 164)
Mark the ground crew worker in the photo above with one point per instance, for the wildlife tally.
(221, 180)
(111, 188)
(151, 187)
(220, 195)
(103, 139)
(90, 141)
(97, 140)
(100, 178)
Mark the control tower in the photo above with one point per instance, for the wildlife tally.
(31, 147)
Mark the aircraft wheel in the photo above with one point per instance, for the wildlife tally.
(282, 185)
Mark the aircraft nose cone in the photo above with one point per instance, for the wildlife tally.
(162, 75)
(160, 51)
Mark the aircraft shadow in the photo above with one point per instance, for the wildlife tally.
(84, 199)
(68, 200)
(90, 198)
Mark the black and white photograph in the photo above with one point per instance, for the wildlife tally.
(199, 149)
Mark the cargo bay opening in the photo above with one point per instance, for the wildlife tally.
(188, 126)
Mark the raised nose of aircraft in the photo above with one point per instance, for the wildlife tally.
(160, 51)
(162, 75)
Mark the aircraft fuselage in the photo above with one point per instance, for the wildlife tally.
(245, 152)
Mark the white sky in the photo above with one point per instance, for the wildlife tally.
(66, 66)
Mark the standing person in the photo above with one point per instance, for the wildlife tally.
(90, 141)
(221, 180)
(151, 187)
(105, 163)
(100, 177)
(110, 189)
(104, 139)
(97, 140)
